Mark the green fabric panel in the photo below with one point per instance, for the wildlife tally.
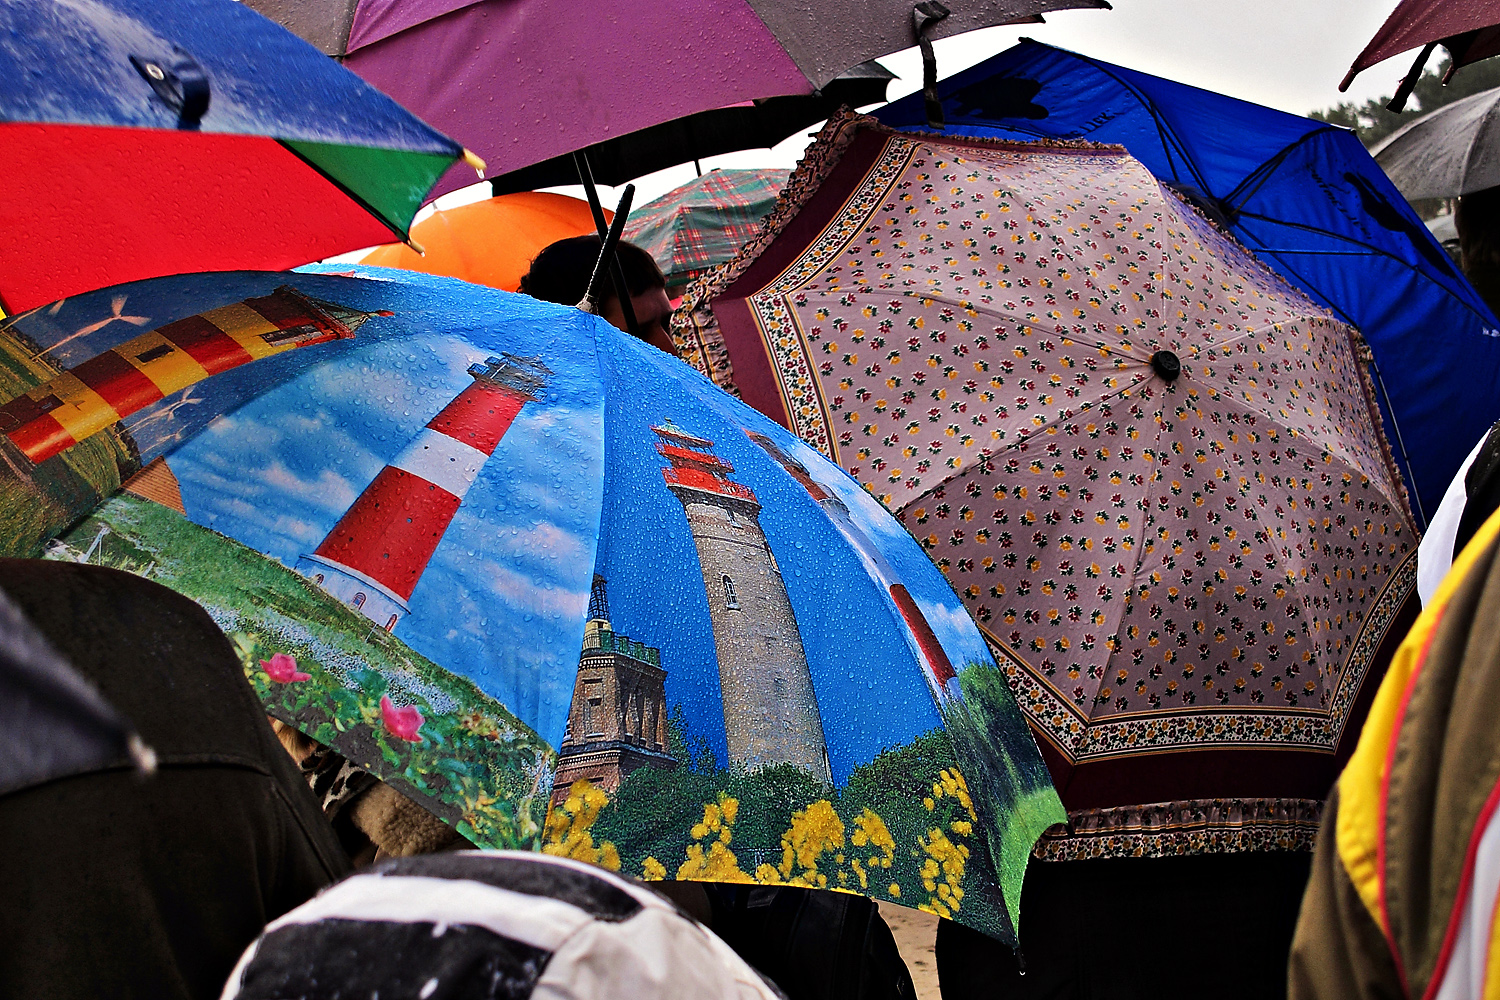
(391, 183)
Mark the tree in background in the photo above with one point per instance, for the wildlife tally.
(1372, 122)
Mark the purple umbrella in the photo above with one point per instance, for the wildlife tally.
(520, 81)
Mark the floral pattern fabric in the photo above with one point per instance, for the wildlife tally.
(1160, 561)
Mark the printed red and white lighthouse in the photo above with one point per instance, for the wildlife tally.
(940, 673)
(374, 556)
(112, 385)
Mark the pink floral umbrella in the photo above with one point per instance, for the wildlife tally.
(1152, 469)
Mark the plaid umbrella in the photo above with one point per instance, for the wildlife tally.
(704, 222)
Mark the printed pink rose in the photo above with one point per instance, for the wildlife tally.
(282, 668)
(402, 722)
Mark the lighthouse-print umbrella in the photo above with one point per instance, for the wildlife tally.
(538, 575)
(149, 137)
(1151, 468)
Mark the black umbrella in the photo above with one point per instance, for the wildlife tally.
(752, 125)
(1453, 151)
(52, 722)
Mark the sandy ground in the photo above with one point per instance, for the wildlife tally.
(915, 932)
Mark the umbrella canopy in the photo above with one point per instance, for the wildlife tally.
(501, 553)
(490, 242)
(747, 125)
(523, 82)
(1151, 468)
(1468, 29)
(704, 222)
(148, 138)
(1304, 196)
(53, 724)
(1451, 152)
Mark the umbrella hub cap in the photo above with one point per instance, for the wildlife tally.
(1165, 364)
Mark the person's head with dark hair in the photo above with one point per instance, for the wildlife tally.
(561, 272)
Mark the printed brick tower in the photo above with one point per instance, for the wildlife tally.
(112, 385)
(617, 722)
(374, 556)
(770, 709)
(939, 669)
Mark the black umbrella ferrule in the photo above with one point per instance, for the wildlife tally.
(1165, 364)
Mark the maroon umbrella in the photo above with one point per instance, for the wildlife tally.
(520, 81)
(1468, 29)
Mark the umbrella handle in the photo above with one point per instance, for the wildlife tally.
(617, 273)
(590, 301)
(923, 17)
(181, 85)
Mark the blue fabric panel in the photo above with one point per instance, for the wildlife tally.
(70, 63)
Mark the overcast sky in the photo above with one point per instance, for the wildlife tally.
(1289, 54)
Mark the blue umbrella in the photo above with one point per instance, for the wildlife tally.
(503, 555)
(149, 137)
(1305, 196)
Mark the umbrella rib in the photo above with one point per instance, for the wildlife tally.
(1261, 174)
(1163, 132)
(1030, 324)
(1312, 289)
(374, 213)
(1139, 553)
(987, 456)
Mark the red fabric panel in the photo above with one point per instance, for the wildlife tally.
(392, 530)
(118, 382)
(206, 344)
(479, 416)
(87, 206)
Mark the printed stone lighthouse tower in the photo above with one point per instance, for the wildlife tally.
(770, 710)
(374, 556)
(617, 722)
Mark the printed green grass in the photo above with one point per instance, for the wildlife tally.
(478, 766)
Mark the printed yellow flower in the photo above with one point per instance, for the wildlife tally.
(718, 864)
(566, 833)
(653, 870)
(814, 832)
(870, 829)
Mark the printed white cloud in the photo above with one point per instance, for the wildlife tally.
(328, 491)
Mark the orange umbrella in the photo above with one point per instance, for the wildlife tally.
(489, 242)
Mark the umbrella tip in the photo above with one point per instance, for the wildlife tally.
(419, 248)
(141, 755)
(473, 160)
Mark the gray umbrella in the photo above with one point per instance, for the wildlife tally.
(1453, 151)
(52, 722)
